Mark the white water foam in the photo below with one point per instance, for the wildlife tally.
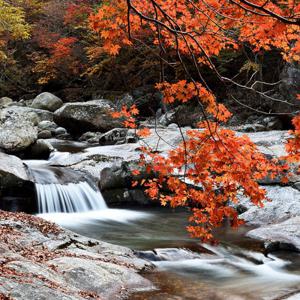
(78, 219)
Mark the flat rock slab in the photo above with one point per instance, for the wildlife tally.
(284, 235)
(40, 260)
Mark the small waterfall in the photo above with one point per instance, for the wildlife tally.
(62, 190)
(68, 198)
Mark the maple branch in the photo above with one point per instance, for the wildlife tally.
(262, 8)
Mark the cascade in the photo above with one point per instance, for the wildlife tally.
(62, 190)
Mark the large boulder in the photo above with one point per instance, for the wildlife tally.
(280, 236)
(34, 114)
(47, 101)
(284, 204)
(12, 171)
(80, 117)
(17, 131)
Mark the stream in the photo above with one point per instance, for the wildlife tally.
(236, 268)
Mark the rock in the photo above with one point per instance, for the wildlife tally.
(35, 115)
(120, 175)
(102, 278)
(115, 177)
(91, 137)
(167, 118)
(4, 101)
(273, 123)
(12, 171)
(183, 115)
(284, 204)
(60, 131)
(47, 101)
(66, 265)
(147, 100)
(280, 236)
(17, 131)
(173, 126)
(41, 149)
(80, 117)
(47, 125)
(17, 192)
(45, 134)
(170, 254)
(121, 197)
(117, 136)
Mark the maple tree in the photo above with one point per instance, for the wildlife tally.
(211, 166)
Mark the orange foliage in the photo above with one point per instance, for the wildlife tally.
(128, 114)
(207, 172)
(213, 165)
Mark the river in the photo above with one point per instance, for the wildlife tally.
(236, 268)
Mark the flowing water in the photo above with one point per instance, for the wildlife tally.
(185, 269)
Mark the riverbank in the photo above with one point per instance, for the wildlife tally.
(40, 260)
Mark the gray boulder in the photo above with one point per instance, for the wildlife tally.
(12, 171)
(4, 101)
(47, 101)
(280, 236)
(35, 115)
(80, 117)
(17, 131)
(47, 125)
(284, 204)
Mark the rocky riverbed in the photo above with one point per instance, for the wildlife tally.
(82, 137)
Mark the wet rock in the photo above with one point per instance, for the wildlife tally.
(60, 131)
(284, 204)
(45, 134)
(280, 236)
(91, 137)
(47, 101)
(41, 149)
(127, 197)
(17, 131)
(117, 136)
(169, 254)
(80, 117)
